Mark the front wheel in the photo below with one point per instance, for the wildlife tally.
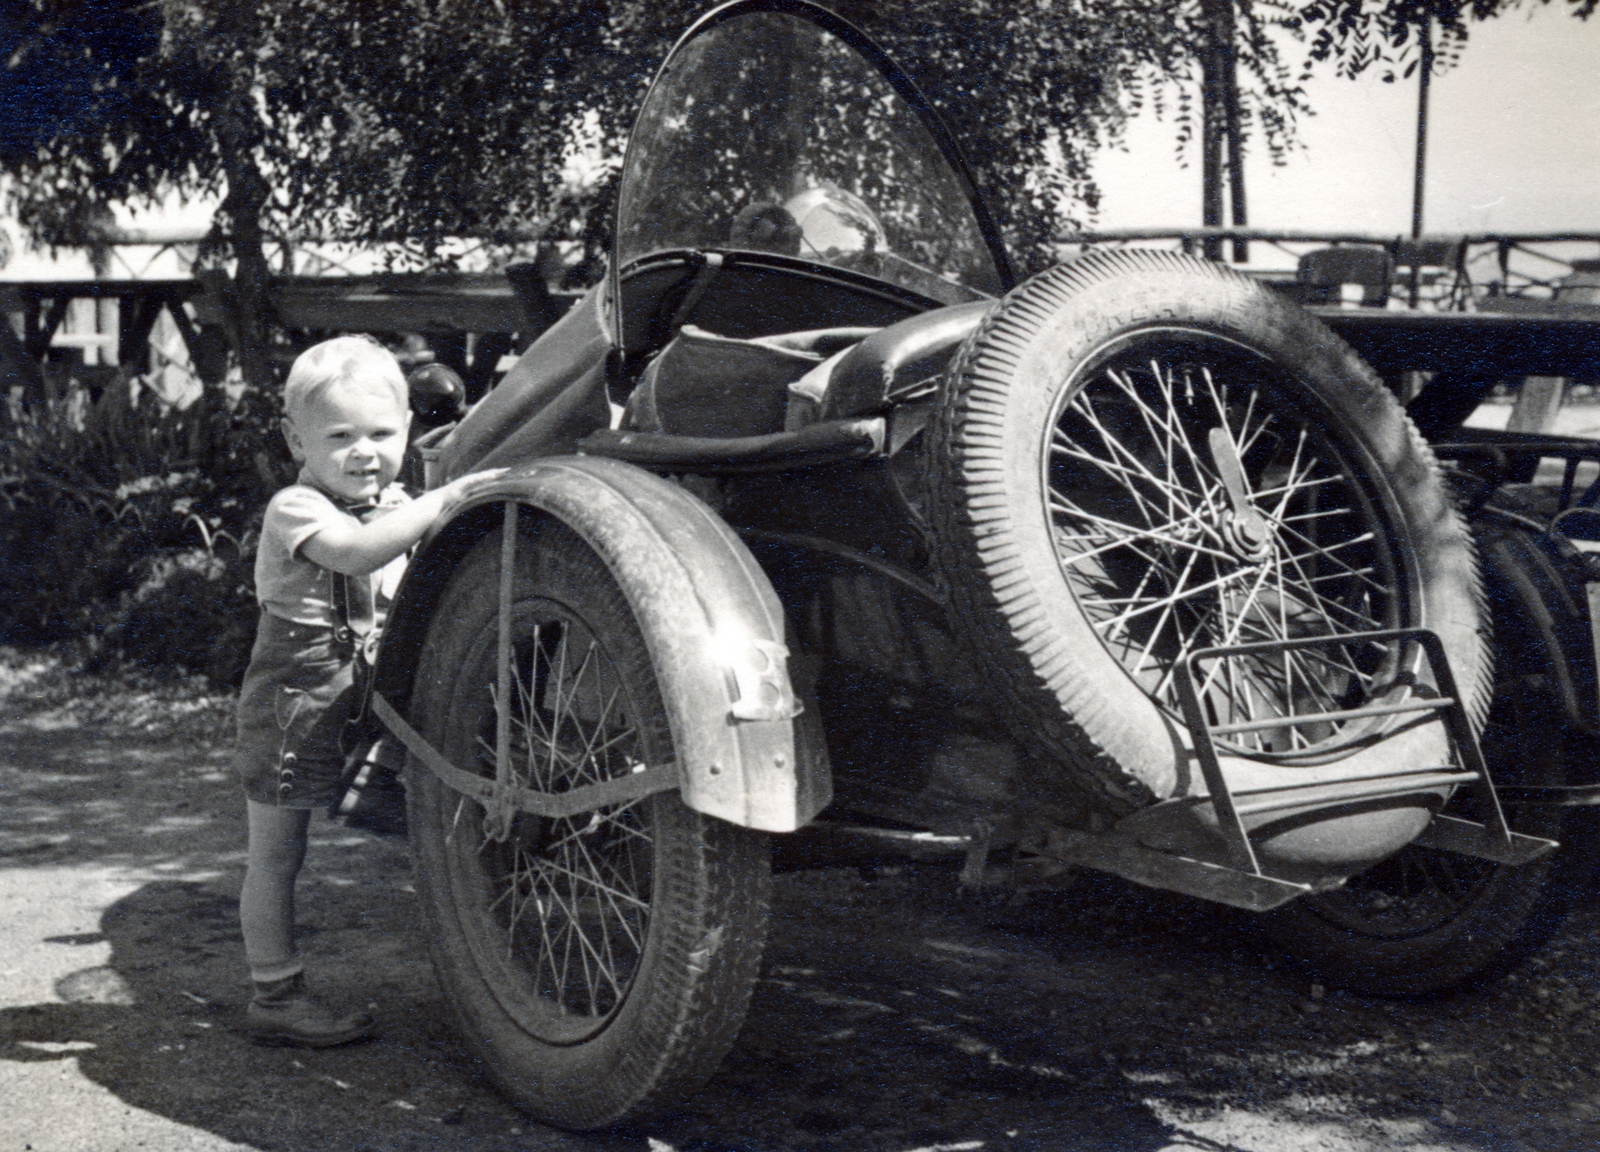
(601, 964)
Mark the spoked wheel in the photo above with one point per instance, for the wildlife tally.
(602, 961)
(1198, 503)
(1146, 455)
(1423, 921)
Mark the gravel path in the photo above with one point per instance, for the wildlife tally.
(891, 1015)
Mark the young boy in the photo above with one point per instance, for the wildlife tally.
(323, 539)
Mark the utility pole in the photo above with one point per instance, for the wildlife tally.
(1426, 66)
(1422, 127)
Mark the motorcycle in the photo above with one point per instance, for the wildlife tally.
(818, 516)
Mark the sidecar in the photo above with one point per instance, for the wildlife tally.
(812, 505)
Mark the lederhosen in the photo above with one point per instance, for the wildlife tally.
(298, 697)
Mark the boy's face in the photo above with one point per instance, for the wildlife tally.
(351, 437)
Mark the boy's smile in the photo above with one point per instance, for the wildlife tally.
(351, 438)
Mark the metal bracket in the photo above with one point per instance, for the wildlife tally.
(553, 805)
(977, 860)
(1124, 856)
(1490, 840)
(1237, 879)
(1450, 834)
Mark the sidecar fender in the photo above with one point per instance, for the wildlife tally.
(712, 624)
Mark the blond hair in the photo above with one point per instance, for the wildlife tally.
(342, 360)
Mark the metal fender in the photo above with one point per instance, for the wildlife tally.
(712, 624)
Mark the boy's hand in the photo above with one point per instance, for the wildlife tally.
(453, 490)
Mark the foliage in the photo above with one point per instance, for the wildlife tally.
(421, 119)
(511, 92)
(415, 120)
(1361, 34)
(69, 73)
(113, 539)
(41, 690)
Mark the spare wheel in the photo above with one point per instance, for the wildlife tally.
(1142, 454)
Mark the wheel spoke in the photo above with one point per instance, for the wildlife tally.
(589, 956)
(1327, 553)
(1171, 432)
(571, 895)
(1115, 447)
(1058, 503)
(1167, 555)
(578, 877)
(1177, 597)
(610, 893)
(1126, 478)
(588, 953)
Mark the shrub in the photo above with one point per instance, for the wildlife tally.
(40, 691)
(127, 527)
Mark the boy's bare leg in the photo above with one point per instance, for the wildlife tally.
(266, 903)
(280, 1011)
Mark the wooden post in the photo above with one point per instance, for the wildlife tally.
(1538, 402)
(1211, 125)
(1426, 69)
(1228, 48)
(1220, 118)
(1426, 66)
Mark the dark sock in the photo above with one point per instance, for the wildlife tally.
(270, 992)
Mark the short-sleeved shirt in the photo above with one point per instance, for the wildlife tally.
(291, 587)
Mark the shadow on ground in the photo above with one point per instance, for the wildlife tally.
(891, 1014)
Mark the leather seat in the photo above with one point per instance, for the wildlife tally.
(707, 385)
(890, 365)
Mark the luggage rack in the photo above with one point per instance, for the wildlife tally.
(1234, 875)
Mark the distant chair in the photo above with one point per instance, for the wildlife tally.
(1431, 253)
(1357, 275)
(1581, 285)
(1430, 270)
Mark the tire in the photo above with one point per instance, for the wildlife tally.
(1424, 922)
(599, 966)
(1144, 454)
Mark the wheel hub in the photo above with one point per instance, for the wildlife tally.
(1245, 529)
(1249, 534)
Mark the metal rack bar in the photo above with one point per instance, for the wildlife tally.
(1429, 705)
(1492, 839)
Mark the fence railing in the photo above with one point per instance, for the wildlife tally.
(130, 319)
(1458, 272)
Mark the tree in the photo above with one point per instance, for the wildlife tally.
(414, 120)
(1359, 34)
(1055, 82)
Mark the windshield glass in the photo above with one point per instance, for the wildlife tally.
(767, 133)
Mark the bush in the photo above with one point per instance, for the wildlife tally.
(127, 527)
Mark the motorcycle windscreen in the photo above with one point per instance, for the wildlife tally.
(766, 132)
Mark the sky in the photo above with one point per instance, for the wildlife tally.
(1513, 145)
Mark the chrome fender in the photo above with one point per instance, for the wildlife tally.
(712, 624)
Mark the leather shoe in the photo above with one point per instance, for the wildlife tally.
(282, 1013)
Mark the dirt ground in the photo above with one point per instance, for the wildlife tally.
(891, 1016)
